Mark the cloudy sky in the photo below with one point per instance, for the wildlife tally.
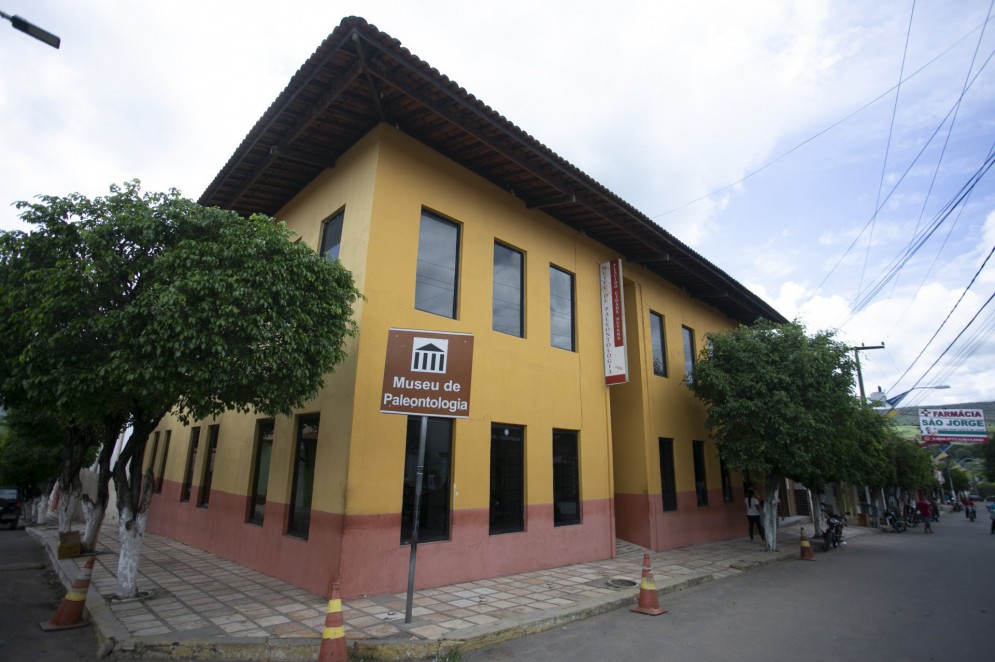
(832, 156)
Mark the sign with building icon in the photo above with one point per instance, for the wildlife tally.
(427, 373)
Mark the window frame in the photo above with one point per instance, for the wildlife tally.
(187, 487)
(658, 333)
(571, 315)
(520, 302)
(510, 519)
(568, 482)
(700, 473)
(687, 341)
(422, 289)
(434, 523)
(668, 474)
(335, 222)
(207, 471)
(254, 506)
(160, 475)
(302, 529)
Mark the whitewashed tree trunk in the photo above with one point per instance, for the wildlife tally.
(94, 515)
(41, 510)
(131, 531)
(68, 501)
(770, 516)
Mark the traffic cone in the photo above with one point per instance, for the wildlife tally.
(70, 612)
(333, 648)
(806, 548)
(649, 602)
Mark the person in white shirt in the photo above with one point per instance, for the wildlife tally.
(753, 508)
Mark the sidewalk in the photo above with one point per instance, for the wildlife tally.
(204, 607)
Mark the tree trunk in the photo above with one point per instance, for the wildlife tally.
(771, 502)
(67, 505)
(131, 531)
(41, 514)
(134, 496)
(94, 515)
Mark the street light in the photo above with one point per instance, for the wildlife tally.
(32, 30)
(879, 397)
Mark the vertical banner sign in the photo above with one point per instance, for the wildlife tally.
(952, 426)
(427, 373)
(613, 322)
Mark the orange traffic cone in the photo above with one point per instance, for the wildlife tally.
(333, 648)
(70, 612)
(806, 548)
(649, 602)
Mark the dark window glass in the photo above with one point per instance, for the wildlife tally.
(260, 470)
(507, 478)
(204, 497)
(331, 237)
(149, 459)
(438, 266)
(668, 482)
(305, 453)
(161, 473)
(726, 482)
(191, 461)
(566, 478)
(509, 276)
(700, 483)
(561, 308)
(659, 344)
(687, 335)
(433, 515)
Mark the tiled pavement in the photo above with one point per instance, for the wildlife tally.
(199, 606)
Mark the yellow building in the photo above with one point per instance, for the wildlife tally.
(453, 220)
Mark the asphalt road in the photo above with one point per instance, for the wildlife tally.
(31, 593)
(886, 596)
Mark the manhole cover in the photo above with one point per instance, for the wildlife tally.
(621, 583)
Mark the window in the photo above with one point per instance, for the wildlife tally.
(150, 457)
(331, 236)
(658, 342)
(438, 266)
(507, 479)
(566, 478)
(191, 460)
(433, 511)
(687, 336)
(305, 453)
(507, 306)
(668, 484)
(561, 308)
(212, 449)
(726, 482)
(260, 470)
(161, 473)
(700, 484)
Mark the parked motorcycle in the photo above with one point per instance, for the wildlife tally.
(833, 535)
(895, 522)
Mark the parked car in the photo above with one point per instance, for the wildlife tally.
(10, 506)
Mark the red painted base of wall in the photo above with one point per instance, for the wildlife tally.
(364, 553)
(640, 519)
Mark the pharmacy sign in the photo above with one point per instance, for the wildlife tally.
(953, 426)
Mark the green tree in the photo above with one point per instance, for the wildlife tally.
(30, 451)
(137, 304)
(780, 406)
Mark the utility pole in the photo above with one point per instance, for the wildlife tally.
(863, 400)
(860, 376)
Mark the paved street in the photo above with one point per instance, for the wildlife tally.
(31, 593)
(886, 597)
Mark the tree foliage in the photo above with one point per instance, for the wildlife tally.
(122, 308)
(779, 401)
(30, 451)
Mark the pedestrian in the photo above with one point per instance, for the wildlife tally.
(991, 514)
(753, 509)
(926, 512)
